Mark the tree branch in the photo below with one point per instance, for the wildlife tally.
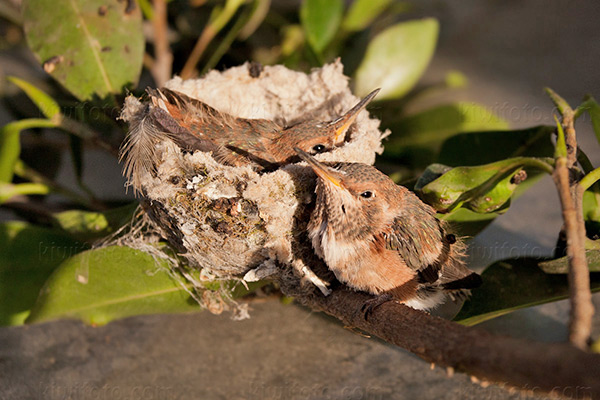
(582, 309)
(552, 368)
(570, 192)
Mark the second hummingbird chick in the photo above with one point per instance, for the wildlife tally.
(380, 238)
(259, 142)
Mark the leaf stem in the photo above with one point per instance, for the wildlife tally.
(24, 171)
(587, 181)
(9, 190)
(209, 32)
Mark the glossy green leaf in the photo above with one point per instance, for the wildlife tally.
(476, 148)
(432, 126)
(98, 286)
(561, 265)
(513, 284)
(10, 145)
(28, 255)
(88, 225)
(321, 20)
(362, 13)
(396, 58)
(92, 47)
(45, 103)
(485, 188)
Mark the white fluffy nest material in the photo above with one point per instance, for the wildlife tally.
(233, 221)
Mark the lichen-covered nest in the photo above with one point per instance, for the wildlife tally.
(234, 221)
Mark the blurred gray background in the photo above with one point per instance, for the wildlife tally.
(509, 50)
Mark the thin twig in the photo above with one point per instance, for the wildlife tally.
(518, 363)
(163, 63)
(582, 310)
(211, 29)
(571, 199)
(190, 65)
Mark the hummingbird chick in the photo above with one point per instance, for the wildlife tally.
(380, 238)
(258, 142)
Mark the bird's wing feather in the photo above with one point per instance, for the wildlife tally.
(446, 269)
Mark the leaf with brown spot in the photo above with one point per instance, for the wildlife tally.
(80, 43)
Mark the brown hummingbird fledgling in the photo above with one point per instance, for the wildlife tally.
(260, 142)
(380, 238)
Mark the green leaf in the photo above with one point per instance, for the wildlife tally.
(485, 188)
(467, 223)
(432, 126)
(28, 255)
(92, 47)
(98, 286)
(10, 145)
(560, 103)
(321, 20)
(396, 58)
(513, 284)
(88, 225)
(591, 206)
(362, 13)
(561, 265)
(478, 148)
(561, 146)
(45, 103)
(594, 110)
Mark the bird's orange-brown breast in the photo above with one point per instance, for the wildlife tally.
(375, 269)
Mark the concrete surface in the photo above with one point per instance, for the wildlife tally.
(509, 50)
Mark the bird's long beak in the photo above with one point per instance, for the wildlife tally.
(344, 122)
(322, 171)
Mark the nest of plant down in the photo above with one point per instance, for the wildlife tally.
(234, 222)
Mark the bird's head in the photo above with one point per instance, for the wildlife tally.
(356, 200)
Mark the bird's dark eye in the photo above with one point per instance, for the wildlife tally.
(366, 194)
(319, 148)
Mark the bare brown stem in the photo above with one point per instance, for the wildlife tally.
(568, 123)
(190, 65)
(571, 195)
(162, 66)
(541, 367)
